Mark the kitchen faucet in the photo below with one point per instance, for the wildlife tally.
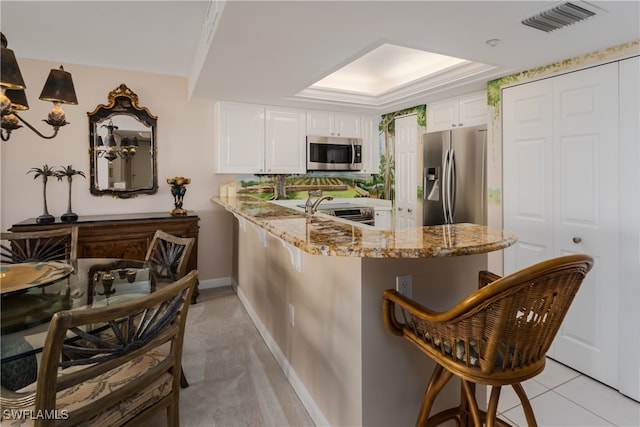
(311, 207)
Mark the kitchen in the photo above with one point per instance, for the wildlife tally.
(183, 124)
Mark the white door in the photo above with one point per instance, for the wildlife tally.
(406, 178)
(585, 109)
(629, 292)
(527, 178)
(561, 195)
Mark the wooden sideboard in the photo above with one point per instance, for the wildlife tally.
(124, 236)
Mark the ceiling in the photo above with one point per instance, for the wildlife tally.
(269, 51)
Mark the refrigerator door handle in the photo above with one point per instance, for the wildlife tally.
(445, 187)
(452, 185)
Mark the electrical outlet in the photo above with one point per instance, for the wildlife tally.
(292, 315)
(403, 285)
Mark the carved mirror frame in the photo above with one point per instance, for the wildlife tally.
(122, 101)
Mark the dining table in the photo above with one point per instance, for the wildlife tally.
(33, 292)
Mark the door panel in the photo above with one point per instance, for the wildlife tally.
(560, 145)
(585, 109)
(528, 179)
(406, 158)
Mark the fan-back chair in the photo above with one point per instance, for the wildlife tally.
(39, 246)
(497, 336)
(111, 382)
(168, 255)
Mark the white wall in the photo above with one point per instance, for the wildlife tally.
(185, 147)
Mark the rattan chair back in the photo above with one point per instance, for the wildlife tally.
(501, 333)
(168, 255)
(39, 246)
(112, 381)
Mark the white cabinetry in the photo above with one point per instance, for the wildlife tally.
(239, 138)
(325, 123)
(464, 111)
(370, 148)
(382, 218)
(285, 145)
(258, 139)
(561, 195)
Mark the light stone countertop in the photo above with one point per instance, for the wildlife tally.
(323, 235)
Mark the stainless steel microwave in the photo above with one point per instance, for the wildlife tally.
(332, 153)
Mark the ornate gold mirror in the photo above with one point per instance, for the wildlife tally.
(122, 140)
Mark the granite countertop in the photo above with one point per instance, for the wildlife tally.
(323, 235)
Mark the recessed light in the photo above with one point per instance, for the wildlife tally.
(385, 68)
(493, 42)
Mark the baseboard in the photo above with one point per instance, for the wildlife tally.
(302, 392)
(214, 283)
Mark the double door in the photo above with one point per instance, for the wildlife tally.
(560, 151)
(407, 165)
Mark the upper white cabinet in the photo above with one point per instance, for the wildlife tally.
(370, 149)
(463, 111)
(325, 123)
(239, 138)
(285, 143)
(258, 139)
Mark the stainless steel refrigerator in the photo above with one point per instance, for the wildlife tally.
(454, 176)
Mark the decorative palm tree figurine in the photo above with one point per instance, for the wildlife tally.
(69, 172)
(45, 173)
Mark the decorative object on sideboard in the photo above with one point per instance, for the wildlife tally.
(45, 173)
(178, 189)
(123, 151)
(68, 172)
(57, 89)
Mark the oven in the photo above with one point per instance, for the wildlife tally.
(363, 215)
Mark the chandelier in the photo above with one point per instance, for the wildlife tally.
(57, 89)
(108, 148)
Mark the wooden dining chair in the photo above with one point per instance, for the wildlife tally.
(497, 336)
(168, 255)
(33, 246)
(107, 382)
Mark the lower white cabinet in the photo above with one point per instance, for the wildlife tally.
(258, 139)
(382, 218)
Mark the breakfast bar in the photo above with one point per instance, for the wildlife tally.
(313, 286)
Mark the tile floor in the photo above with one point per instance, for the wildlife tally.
(561, 396)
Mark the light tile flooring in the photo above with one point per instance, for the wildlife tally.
(561, 396)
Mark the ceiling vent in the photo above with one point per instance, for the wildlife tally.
(560, 16)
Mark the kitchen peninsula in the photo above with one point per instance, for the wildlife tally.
(313, 286)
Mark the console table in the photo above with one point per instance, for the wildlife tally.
(125, 236)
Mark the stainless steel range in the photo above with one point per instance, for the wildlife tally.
(349, 211)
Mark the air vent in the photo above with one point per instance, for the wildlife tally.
(560, 16)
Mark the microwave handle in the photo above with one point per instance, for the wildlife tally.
(353, 153)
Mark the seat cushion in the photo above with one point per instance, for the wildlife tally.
(90, 391)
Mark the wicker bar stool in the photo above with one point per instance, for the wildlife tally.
(497, 336)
